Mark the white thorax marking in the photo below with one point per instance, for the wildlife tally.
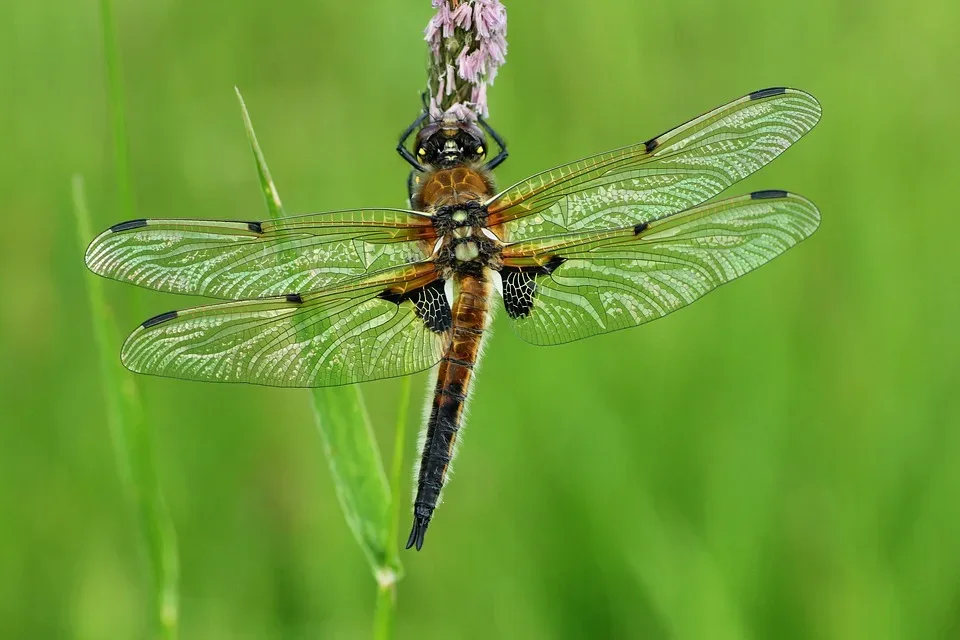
(466, 251)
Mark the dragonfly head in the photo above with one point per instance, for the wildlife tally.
(450, 142)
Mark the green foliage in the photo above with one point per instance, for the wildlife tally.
(351, 451)
(132, 439)
(778, 460)
(130, 430)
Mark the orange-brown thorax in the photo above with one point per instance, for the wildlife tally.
(451, 186)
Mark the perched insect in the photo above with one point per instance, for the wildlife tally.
(605, 243)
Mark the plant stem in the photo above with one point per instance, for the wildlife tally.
(133, 439)
(387, 582)
(350, 449)
(118, 116)
(133, 445)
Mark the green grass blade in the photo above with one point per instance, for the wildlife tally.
(130, 430)
(348, 441)
(387, 580)
(132, 443)
(118, 118)
(354, 461)
(274, 206)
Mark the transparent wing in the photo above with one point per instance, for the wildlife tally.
(357, 332)
(582, 284)
(672, 172)
(228, 260)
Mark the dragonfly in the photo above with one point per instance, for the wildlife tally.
(608, 242)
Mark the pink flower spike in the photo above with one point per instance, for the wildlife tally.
(468, 43)
(432, 30)
(462, 112)
(445, 18)
(479, 97)
(490, 17)
(451, 79)
(470, 65)
(463, 16)
(479, 21)
(495, 50)
(440, 90)
(434, 109)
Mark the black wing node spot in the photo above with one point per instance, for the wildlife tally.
(155, 320)
(640, 228)
(296, 298)
(520, 286)
(256, 227)
(429, 303)
(651, 145)
(766, 93)
(769, 194)
(129, 224)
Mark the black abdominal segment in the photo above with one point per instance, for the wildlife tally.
(442, 431)
(520, 286)
(429, 302)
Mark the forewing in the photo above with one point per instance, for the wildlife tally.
(672, 172)
(577, 285)
(363, 331)
(229, 260)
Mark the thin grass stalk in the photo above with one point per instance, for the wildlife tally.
(349, 446)
(132, 434)
(385, 612)
(118, 118)
(133, 445)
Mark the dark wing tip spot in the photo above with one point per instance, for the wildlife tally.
(295, 298)
(766, 93)
(155, 320)
(769, 194)
(256, 227)
(640, 228)
(651, 145)
(129, 224)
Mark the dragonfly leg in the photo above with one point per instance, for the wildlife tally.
(410, 186)
(402, 145)
(498, 159)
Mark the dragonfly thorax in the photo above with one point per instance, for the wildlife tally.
(465, 244)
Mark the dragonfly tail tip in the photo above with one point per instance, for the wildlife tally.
(418, 531)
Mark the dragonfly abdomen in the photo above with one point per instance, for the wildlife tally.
(471, 311)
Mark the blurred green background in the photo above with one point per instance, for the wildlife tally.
(778, 460)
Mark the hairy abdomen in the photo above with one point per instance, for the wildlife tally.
(470, 315)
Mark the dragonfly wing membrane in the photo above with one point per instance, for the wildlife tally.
(371, 329)
(229, 260)
(577, 285)
(676, 170)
